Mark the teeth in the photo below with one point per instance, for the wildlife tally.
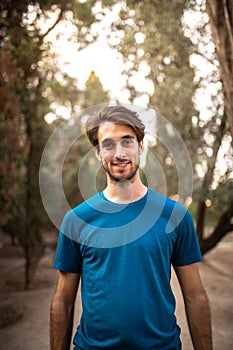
(122, 164)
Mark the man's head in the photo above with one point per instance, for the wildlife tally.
(117, 135)
(115, 114)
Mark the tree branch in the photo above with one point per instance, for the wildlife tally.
(201, 209)
(228, 24)
(224, 226)
(209, 60)
(62, 10)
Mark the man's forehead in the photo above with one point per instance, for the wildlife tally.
(115, 130)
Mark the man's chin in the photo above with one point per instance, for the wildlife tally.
(122, 178)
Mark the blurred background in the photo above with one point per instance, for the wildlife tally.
(58, 58)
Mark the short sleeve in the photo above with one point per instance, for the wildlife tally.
(68, 257)
(186, 249)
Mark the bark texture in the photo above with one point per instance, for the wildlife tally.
(221, 22)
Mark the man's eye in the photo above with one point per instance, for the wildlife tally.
(108, 145)
(127, 142)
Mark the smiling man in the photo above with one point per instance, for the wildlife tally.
(120, 153)
(117, 244)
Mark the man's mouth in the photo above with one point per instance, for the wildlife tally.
(121, 164)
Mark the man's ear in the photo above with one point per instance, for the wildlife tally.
(141, 147)
(97, 152)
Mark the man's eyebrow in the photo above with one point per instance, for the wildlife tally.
(128, 137)
(107, 140)
(120, 138)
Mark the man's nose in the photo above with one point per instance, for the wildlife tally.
(119, 150)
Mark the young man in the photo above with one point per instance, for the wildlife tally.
(118, 244)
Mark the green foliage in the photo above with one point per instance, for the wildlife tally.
(94, 93)
(71, 167)
(83, 12)
(108, 3)
(25, 41)
(154, 39)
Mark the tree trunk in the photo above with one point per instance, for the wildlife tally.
(223, 227)
(200, 221)
(33, 251)
(221, 22)
(33, 242)
(201, 207)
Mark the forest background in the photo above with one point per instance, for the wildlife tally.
(183, 49)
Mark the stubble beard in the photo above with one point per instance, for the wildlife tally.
(118, 179)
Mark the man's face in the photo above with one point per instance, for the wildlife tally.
(119, 151)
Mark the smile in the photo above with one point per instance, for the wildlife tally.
(121, 165)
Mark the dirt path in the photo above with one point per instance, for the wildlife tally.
(31, 332)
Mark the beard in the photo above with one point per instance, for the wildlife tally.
(117, 178)
(121, 177)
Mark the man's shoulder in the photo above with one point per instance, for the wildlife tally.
(171, 210)
(166, 201)
(88, 205)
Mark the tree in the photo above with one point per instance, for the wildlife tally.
(221, 24)
(26, 51)
(11, 148)
(154, 38)
(223, 224)
(154, 43)
(93, 95)
(21, 31)
(212, 195)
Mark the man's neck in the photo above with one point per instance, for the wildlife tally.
(125, 191)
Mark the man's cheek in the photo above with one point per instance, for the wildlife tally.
(106, 157)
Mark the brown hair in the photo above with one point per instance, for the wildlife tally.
(115, 114)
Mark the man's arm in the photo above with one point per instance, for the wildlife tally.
(62, 311)
(196, 305)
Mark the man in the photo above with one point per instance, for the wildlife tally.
(118, 244)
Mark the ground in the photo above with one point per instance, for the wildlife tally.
(24, 315)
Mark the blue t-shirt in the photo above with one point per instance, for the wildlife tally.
(124, 253)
